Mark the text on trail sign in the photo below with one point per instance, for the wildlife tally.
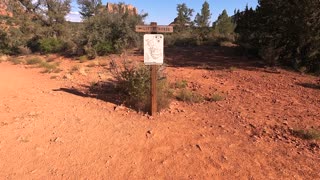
(150, 29)
(153, 49)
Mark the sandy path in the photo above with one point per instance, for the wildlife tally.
(48, 134)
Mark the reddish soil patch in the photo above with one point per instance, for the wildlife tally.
(51, 127)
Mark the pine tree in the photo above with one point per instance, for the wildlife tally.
(88, 8)
(203, 20)
(224, 25)
(183, 18)
(289, 29)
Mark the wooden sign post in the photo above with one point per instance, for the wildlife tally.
(153, 55)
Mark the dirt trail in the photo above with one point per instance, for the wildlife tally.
(46, 133)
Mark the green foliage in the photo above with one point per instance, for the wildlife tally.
(185, 38)
(134, 82)
(104, 48)
(289, 30)
(203, 20)
(183, 19)
(89, 8)
(10, 40)
(107, 33)
(224, 25)
(189, 96)
(51, 45)
(4, 47)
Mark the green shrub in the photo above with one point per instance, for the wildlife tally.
(189, 96)
(34, 44)
(104, 48)
(133, 81)
(51, 45)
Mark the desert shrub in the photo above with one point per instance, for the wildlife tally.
(133, 81)
(90, 53)
(83, 59)
(307, 134)
(15, 60)
(33, 61)
(104, 48)
(183, 39)
(10, 40)
(4, 46)
(181, 84)
(34, 44)
(216, 97)
(49, 67)
(110, 33)
(23, 50)
(69, 48)
(189, 96)
(51, 45)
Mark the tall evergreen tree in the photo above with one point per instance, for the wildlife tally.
(88, 8)
(287, 28)
(224, 25)
(183, 18)
(203, 19)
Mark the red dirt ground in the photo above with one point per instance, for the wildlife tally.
(51, 127)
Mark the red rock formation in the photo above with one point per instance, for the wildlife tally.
(113, 8)
(4, 8)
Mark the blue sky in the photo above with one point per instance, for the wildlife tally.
(164, 11)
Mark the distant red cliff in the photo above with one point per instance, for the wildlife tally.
(4, 8)
(112, 8)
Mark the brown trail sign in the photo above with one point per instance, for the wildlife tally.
(153, 28)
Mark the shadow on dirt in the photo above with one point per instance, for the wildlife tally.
(210, 57)
(105, 91)
(309, 85)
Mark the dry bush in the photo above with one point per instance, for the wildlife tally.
(311, 134)
(216, 97)
(15, 60)
(189, 96)
(33, 61)
(49, 67)
(133, 81)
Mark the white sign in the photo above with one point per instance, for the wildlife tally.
(153, 49)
